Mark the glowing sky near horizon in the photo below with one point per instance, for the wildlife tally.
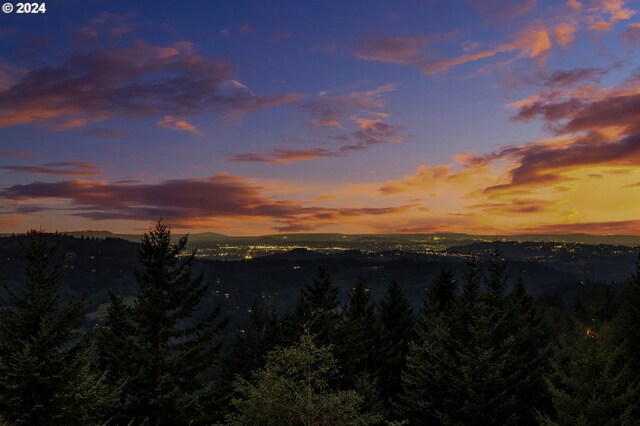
(241, 117)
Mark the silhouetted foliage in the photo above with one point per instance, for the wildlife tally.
(478, 357)
(397, 322)
(114, 348)
(45, 374)
(360, 334)
(628, 324)
(294, 389)
(259, 335)
(479, 352)
(318, 308)
(168, 353)
(591, 382)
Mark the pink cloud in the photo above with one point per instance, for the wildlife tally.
(169, 122)
(610, 13)
(564, 33)
(574, 4)
(423, 178)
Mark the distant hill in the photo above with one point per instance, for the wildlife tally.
(448, 239)
(102, 234)
(193, 238)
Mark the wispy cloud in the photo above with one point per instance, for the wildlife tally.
(531, 42)
(130, 82)
(283, 156)
(370, 133)
(183, 201)
(169, 122)
(608, 13)
(332, 110)
(102, 132)
(534, 41)
(571, 77)
(65, 168)
(351, 122)
(426, 178)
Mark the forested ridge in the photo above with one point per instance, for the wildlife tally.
(479, 350)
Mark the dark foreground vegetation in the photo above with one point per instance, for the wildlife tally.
(479, 351)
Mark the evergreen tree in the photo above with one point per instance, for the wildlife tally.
(359, 301)
(113, 344)
(443, 294)
(427, 379)
(592, 384)
(397, 322)
(113, 339)
(318, 308)
(478, 357)
(627, 327)
(259, 335)
(253, 341)
(45, 373)
(520, 331)
(496, 280)
(484, 382)
(358, 349)
(367, 385)
(469, 298)
(171, 351)
(532, 355)
(430, 360)
(293, 389)
(507, 331)
(595, 302)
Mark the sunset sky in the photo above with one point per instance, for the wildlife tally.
(477, 116)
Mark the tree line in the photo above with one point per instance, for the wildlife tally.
(480, 351)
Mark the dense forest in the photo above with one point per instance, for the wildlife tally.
(479, 350)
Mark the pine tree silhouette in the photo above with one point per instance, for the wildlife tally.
(45, 373)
